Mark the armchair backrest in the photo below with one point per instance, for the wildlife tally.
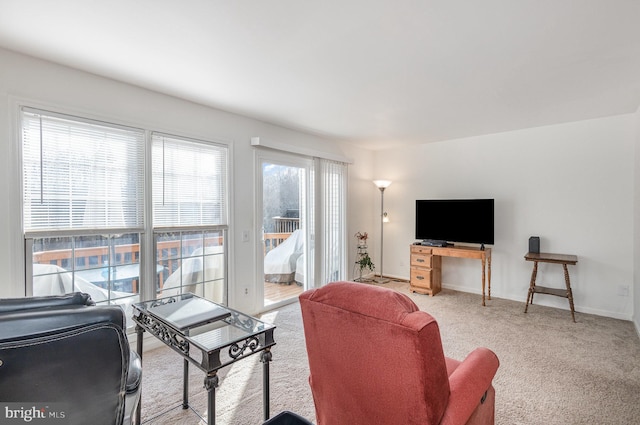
(374, 357)
(66, 300)
(69, 357)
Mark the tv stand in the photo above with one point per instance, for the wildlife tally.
(426, 266)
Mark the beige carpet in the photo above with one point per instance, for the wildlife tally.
(552, 371)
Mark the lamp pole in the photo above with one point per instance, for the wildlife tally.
(382, 185)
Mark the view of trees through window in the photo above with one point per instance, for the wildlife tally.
(281, 194)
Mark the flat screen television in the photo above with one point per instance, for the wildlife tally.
(441, 221)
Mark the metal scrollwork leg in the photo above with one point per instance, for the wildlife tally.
(265, 358)
(210, 384)
(139, 336)
(185, 385)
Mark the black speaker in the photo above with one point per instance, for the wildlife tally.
(534, 244)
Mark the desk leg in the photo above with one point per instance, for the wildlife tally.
(483, 273)
(185, 385)
(210, 383)
(139, 336)
(265, 358)
(569, 292)
(532, 286)
(489, 274)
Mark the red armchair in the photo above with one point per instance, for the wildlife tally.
(374, 358)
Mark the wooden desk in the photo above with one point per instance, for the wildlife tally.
(556, 259)
(426, 264)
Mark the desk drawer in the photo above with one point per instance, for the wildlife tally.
(421, 277)
(425, 281)
(421, 260)
(419, 249)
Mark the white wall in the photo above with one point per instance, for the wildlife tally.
(49, 85)
(571, 184)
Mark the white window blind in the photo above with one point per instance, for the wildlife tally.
(333, 178)
(80, 174)
(189, 182)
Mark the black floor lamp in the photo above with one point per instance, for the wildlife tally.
(382, 185)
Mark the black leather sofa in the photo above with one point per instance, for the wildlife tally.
(63, 357)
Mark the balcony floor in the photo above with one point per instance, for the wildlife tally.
(276, 292)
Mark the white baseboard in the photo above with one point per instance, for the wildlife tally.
(540, 301)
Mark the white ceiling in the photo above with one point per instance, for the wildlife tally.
(373, 72)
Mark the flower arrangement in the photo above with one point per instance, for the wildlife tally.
(362, 238)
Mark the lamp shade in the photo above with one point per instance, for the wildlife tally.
(382, 184)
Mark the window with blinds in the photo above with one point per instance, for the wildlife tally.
(80, 174)
(190, 215)
(84, 194)
(189, 182)
(83, 206)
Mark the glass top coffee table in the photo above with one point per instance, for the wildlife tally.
(207, 334)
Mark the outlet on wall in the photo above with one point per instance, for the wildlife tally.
(623, 290)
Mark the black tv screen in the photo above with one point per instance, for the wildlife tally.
(455, 220)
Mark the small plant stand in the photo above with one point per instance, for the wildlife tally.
(358, 267)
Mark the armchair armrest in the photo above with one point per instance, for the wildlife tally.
(134, 374)
(15, 304)
(468, 384)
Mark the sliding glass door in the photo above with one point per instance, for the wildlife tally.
(301, 207)
(285, 223)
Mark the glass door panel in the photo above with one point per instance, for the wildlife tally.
(284, 230)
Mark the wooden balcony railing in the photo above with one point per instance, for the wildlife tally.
(272, 240)
(286, 224)
(168, 255)
(284, 227)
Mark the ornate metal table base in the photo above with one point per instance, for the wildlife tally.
(224, 342)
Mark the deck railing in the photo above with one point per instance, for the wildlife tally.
(272, 240)
(284, 227)
(168, 255)
(286, 224)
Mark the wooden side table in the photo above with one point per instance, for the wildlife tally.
(551, 258)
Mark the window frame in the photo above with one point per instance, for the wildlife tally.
(148, 251)
(155, 139)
